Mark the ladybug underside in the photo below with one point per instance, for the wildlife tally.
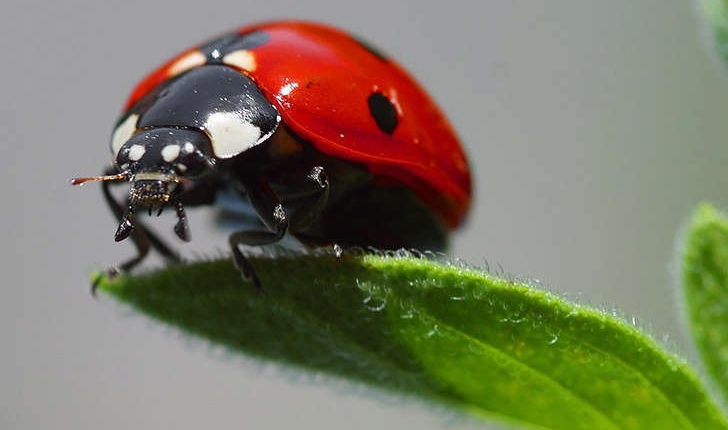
(359, 209)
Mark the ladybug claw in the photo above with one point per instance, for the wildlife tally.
(247, 273)
(253, 278)
(109, 272)
(95, 285)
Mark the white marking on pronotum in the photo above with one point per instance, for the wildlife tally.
(188, 148)
(242, 59)
(170, 153)
(122, 133)
(182, 168)
(187, 62)
(136, 152)
(230, 134)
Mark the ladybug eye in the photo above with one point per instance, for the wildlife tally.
(123, 132)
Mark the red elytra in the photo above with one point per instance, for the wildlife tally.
(319, 79)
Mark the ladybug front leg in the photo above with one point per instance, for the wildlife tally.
(141, 236)
(273, 215)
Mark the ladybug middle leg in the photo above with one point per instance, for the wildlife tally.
(271, 212)
(312, 193)
(315, 194)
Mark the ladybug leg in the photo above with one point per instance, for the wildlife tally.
(272, 213)
(142, 238)
(315, 192)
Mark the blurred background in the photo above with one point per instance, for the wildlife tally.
(593, 128)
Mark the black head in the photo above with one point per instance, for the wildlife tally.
(156, 160)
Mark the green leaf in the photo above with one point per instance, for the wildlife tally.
(705, 279)
(716, 17)
(445, 333)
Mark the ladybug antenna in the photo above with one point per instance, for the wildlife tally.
(118, 177)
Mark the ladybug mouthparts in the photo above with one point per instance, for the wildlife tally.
(153, 190)
(150, 189)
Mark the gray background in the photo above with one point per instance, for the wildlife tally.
(593, 128)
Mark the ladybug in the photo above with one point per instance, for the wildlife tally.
(327, 139)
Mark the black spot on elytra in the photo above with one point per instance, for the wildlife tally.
(372, 50)
(383, 111)
(217, 48)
